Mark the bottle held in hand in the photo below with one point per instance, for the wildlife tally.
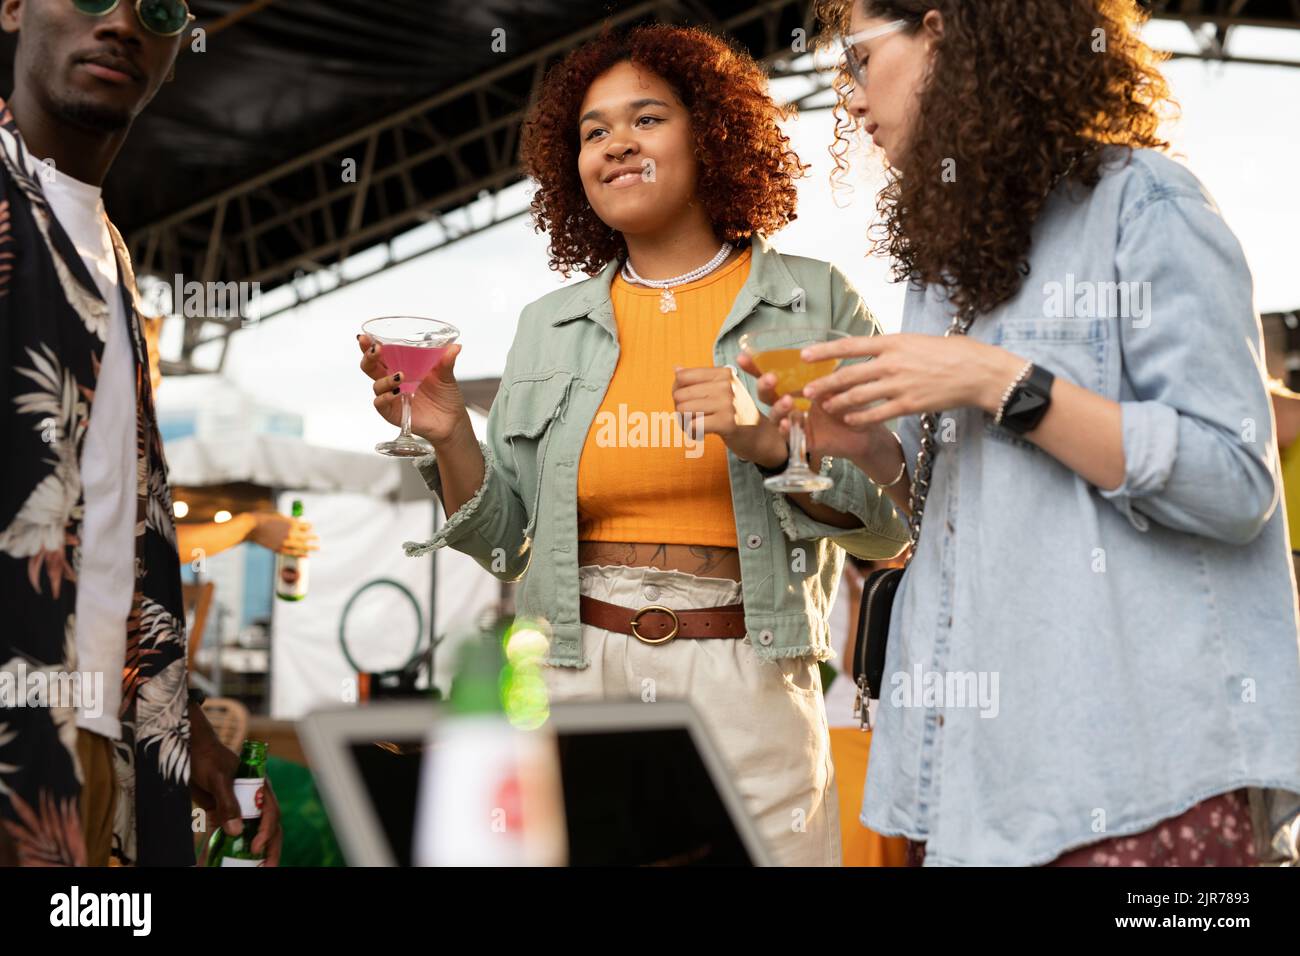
(290, 571)
(250, 778)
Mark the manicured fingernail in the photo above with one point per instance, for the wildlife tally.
(397, 377)
(358, 336)
(396, 391)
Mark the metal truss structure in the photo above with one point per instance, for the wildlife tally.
(446, 160)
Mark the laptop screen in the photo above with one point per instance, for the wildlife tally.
(638, 796)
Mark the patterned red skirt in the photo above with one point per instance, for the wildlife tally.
(1214, 832)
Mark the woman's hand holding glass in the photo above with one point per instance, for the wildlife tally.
(908, 374)
(827, 435)
(437, 406)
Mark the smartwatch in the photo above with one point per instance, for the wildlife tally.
(1028, 402)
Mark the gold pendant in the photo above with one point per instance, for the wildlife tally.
(666, 301)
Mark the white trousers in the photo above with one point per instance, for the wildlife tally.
(768, 719)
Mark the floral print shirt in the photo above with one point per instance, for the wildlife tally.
(53, 328)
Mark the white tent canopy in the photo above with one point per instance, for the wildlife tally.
(363, 507)
(285, 462)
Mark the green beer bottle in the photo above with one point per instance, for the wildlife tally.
(291, 572)
(225, 850)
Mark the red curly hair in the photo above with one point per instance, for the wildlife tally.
(746, 166)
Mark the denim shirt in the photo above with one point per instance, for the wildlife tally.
(1068, 664)
(523, 520)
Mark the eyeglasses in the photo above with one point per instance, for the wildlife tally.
(851, 61)
(166, 18)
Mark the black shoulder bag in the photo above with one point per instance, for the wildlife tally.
(879, 588)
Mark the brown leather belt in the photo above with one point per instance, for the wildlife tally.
(656, 624)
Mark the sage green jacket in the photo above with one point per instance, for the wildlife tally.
(523, 521)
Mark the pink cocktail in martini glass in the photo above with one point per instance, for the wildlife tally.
(412, 346)
(412, 361)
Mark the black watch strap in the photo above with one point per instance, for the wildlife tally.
(1029, 401)
(769, 472)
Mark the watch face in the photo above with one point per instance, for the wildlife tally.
(1023, 400)
(1029, 401)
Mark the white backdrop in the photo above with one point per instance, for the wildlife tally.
(361, 541)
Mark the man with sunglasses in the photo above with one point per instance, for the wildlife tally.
(101, 746)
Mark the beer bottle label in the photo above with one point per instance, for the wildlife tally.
(248, 791)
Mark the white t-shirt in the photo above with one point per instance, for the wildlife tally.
(106, 581)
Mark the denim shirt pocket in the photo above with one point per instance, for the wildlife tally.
(536, 402)
(1072, 349)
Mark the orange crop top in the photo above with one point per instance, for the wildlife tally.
(640, 477)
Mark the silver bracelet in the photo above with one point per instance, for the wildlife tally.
(901, 471)
(1006, 396)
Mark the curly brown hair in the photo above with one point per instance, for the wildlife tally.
(746, 166)
(1020, 93)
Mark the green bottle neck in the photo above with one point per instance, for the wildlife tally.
(252, 759)
(477, 687)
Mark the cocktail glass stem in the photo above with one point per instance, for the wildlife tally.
(798, 477)
(406, 417)
(797, 440)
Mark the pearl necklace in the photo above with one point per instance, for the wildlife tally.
(667, 303)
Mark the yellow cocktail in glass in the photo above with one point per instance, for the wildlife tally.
(777, 351)
(793, 373)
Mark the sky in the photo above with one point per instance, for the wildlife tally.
(1239, 133)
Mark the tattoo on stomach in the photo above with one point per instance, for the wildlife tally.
(700, 560)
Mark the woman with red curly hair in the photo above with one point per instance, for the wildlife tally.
(655, 558)
(1092, 656)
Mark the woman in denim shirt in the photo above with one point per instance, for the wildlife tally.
(649, 151)
(1093, 655)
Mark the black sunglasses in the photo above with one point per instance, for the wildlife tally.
(166, 18)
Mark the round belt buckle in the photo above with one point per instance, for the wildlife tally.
(655, 640)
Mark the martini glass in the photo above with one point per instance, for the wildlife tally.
(777, 351)
(412, 346)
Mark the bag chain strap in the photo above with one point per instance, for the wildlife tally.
(961, 324)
